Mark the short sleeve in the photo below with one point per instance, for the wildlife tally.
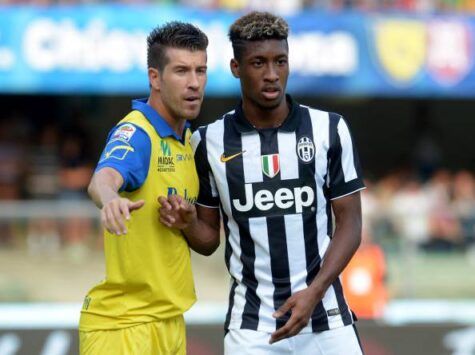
(127, 151)
(345, 176)
(208, 195)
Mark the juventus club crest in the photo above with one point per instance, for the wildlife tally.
(305, 149)
(270, 164)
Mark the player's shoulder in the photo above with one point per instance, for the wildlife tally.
(200, 133)
(231, 115)
(133, 116)
(317, 114)
(128, 132)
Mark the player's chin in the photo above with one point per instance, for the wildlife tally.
(192, 111)
(270, 104)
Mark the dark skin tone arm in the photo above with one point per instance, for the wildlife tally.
(199, 224)
(345, 242)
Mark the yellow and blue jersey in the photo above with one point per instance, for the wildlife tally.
(148, 270)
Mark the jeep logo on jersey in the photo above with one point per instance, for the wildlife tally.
(305, 149)
(283, 198)
(270, 164)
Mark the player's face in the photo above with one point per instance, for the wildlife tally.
(263, 71)
(182, 82)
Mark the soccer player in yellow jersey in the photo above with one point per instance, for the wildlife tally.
(138, 308)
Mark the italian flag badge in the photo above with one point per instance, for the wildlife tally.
(270, 164)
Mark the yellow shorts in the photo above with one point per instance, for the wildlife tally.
(167, 337)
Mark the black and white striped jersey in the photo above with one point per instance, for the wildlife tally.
(273, 188)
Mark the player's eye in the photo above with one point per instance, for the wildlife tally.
(257, 63)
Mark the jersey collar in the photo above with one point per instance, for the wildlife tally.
(290, 124)
(160, 125)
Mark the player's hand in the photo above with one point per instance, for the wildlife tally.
(116, 211)
(301, 306)
(176, 212)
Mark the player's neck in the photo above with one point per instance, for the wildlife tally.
(261, 117)
(176, 124)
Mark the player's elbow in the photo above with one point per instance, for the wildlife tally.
(210, 249)
(357, 232)
(92, 191)
(90, 188)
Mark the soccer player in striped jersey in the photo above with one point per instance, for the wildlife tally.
(138, 308)
(276, 170)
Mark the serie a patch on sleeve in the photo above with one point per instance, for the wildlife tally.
(124, 132)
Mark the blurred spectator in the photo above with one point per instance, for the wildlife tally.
(410, 207)
(438, 215)
(463, 204)
(12, 168)
(12, 135)
(42, 183)
(43, 165)
(74, 175)
(75, 167)
(445, 232)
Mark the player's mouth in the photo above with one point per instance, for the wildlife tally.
(193, 99)
(271, 92)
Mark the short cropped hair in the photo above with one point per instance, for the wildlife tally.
(256, 26)
(174, 34)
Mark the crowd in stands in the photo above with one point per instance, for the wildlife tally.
(290, 6)
(435, 215)
(54, 165)
(44, 163)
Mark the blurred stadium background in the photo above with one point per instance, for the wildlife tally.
(400, 71)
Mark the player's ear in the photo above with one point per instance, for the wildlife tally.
(234, 65)
(154, 78)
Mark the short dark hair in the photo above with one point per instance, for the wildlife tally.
(256, 26)
(174, 34)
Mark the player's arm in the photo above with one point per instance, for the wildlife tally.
(104, 186)
(123, 166)
(103, 190)
(203, 233)
(344, 183)
(199, 224)
(345, 242)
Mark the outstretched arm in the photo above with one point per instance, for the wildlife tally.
(199, 224)
(103, 190)
(345, 242)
